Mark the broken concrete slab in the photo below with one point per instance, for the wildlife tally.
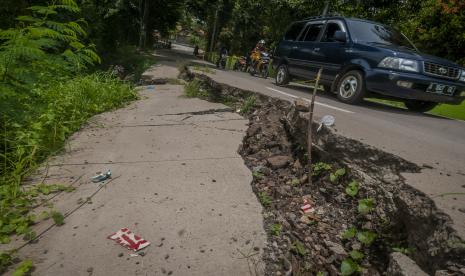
(278, 162)
(401, 265)
(302, 105)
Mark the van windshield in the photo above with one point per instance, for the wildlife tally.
(367, 32)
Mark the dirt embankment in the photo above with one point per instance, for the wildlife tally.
(377, 216)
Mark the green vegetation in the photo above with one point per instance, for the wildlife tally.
(353, 188)
(265, 199)
(298, 248)
(49, 87)
(194, 90)
(24, 268)
(276, 229)
(445, 110)
(257, 174)
(58, 218)
(320, 167)
(248, 105)
(365, 206)
(349, 267)
(450, 111)
(337, 175)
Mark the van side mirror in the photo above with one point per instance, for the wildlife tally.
(340, 36)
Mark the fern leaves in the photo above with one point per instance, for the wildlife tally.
(45, 44)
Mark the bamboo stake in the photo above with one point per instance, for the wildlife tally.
(310, 128)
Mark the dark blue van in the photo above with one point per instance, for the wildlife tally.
(360, 57)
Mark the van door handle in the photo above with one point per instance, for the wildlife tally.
(316, 49)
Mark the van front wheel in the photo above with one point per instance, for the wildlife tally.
(351, 87)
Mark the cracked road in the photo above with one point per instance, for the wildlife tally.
(437, 144)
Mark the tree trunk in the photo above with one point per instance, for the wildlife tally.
(144, 14)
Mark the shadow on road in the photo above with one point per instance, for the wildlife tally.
(380, 107)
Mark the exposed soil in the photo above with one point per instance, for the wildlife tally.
(274, 148)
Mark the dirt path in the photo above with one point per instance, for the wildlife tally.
(178, 181)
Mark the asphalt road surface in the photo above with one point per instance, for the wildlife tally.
(436, 143)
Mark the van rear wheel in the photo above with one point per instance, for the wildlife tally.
(282, 75)
(420, 106)
(351, 87)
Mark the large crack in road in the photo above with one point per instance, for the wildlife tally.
(405, 220)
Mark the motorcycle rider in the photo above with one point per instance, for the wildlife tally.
(257, 53)
(223, 51)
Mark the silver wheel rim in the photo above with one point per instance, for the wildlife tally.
(281, 74)
(348, 87)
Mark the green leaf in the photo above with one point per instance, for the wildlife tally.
(356, 255)
(353, 188)
(349, 267)
(299, 248)
(349, 233)
(366, 237)
(23, 268)
(320, 167)
(337, 175)
(365, 206)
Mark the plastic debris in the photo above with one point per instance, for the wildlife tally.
(101, 177)
(327, 120)
(127, 239)
(151, 87)
(307, 207)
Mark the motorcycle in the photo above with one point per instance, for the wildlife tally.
(241, 64)
(261, 66)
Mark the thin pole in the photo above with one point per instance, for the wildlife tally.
(310, 128)
(212, 43)
(325, 10)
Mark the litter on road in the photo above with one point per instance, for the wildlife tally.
(327, 120)
(307, 207)
(128, 239)
(101, 177)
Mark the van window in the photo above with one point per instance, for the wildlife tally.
(331, 29)
(313, 30)
(294, 31)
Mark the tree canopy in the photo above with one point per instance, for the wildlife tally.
(436, 26)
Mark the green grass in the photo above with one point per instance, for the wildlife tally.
(451, 111)
(34, 126)
(193, 90)
(445, 110)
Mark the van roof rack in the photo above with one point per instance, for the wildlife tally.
(320, 16)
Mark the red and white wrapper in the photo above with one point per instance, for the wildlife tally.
(129, 240)
(307, 207)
